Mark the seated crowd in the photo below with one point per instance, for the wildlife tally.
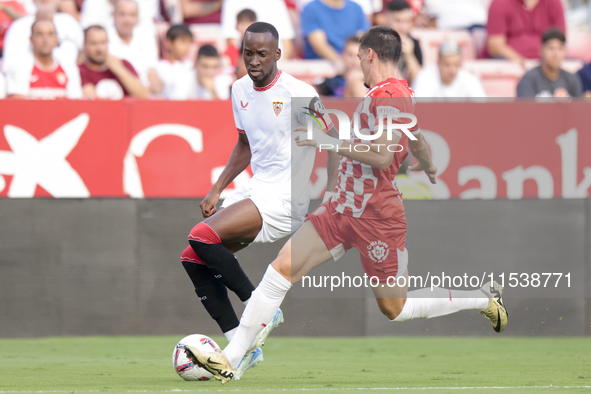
(112, 49)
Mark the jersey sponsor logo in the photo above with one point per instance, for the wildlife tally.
(277, 107)
(243, 105)
(386, 110)
(378, 251)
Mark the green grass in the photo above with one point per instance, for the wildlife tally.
(333, 365)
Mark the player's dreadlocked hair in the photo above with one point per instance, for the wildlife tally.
(263, 27)
(385, 41)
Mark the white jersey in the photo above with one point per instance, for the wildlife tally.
(265, 116)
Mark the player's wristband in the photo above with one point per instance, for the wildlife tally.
(327, 196)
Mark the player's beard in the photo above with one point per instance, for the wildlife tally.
(263, 77)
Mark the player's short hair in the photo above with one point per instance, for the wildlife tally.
(91, 28)
(41, 20)
(553, 34)
(385, 42)
(246, 15)
(207, 51)
(177, 31)
(398, 5)
(263, 27)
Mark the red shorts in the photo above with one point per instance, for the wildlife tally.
(380, 242)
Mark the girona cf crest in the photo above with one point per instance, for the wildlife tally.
(378, 251)
(277, 107)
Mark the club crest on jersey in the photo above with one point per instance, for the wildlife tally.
(61, 78)
(378, 251)
(277, 107)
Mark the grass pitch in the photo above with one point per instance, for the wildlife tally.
(326, 365)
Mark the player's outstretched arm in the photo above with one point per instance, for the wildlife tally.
(420, 151)
(375, 153)
(238, 161)
(332, 166)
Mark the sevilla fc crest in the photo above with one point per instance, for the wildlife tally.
(277, 107)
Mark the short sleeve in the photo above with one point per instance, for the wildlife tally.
(525, 87)
(363, 22)
(577, 85)
(309, 21)
(130, 67)
(497, 22)
(585, 75)
(18, 80)
(557, 15)
(235, 103)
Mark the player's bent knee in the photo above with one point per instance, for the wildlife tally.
(392, 307)
(282, 264)
(204, 234)
(189, 255)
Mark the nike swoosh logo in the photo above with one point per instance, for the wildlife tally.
(212, 362)
(498, 326)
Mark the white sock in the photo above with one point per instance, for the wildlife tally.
(440, 302)
(230, 334)
(261, 308)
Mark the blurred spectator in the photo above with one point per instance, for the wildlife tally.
(548, 79)
(457, 14)
(209, 85)
(42, 74)
(369, 7)
(10, 10)
(71, 7)
(17, 46)
(176, 73)
(270, 11)
(515, 27)
(2, 86)
(335, 86)
(202, 11)
(100, 12)
(585, 76)
(129, 43)
(400, 18)
(245, 18)
(448, 79)
(104, 76)
(326, 25)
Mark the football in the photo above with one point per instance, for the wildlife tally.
(183, 365)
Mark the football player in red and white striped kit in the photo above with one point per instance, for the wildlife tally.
(365, 212)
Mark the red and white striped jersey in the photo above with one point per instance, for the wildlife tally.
(363, 190)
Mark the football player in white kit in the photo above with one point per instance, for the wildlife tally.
(266, 208)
